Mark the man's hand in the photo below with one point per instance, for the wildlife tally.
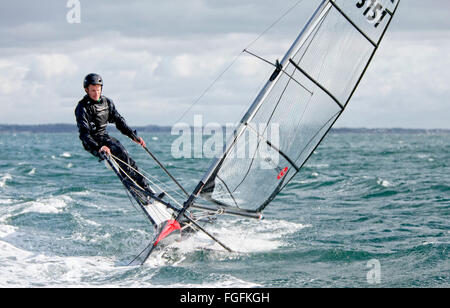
(105, 150)
(140, 141)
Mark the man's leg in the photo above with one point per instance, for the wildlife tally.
(119, 151)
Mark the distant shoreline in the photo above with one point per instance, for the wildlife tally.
(70, 128)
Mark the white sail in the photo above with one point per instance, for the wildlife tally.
(303, 98)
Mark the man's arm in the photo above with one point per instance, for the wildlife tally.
(122, 126)
(88, 142)
(116, 118)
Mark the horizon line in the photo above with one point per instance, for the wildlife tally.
(165, 127)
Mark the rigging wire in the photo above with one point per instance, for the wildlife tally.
(274, 23)
(236, 58)
(151, 182)
(157, 211)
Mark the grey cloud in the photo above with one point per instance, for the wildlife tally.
(137, 46)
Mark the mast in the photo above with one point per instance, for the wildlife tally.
(315, 19)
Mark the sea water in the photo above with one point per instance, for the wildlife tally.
(366, 210)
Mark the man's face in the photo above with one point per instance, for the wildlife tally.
(94, 91)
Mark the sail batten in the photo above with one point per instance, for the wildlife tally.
(353, 24)
(317, 83)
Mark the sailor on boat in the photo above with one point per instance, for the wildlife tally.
(93, 113)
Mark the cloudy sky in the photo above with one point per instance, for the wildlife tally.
(157, 58)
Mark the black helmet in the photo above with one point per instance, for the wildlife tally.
(92, 79)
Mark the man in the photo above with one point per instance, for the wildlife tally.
(93, 113)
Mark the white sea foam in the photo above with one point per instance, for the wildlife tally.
(6, 230)
(10, 273)
(4, 179)
(83, 220)
(21, 268)
(80, 193)
(66, 154)
(384, 183)
(425, 157)
(258, 236)
(241, 236)
(53, 205)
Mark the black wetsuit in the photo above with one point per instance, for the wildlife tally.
(92, 119)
